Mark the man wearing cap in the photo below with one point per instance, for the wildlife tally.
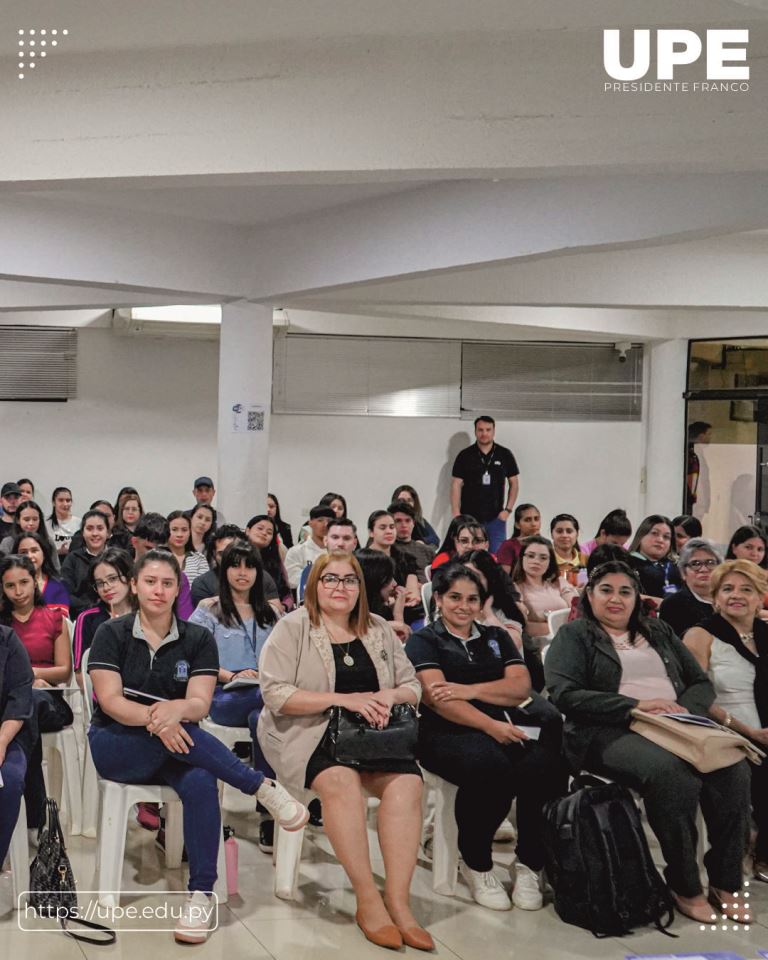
(307, 552)
(10, 497)
(204, 492)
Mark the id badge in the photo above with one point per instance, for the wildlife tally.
(486, 479)
(669, 589)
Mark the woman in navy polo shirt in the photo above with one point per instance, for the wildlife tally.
(153, 677)
(651, 554)
(476, 691)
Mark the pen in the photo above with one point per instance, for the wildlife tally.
(525, 703)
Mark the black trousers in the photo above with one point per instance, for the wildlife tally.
(760, 809)
(53, 713)
(672, 791)
(489, 776)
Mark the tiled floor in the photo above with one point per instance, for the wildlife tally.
(320, 925)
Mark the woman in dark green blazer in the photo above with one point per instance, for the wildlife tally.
(600, 668)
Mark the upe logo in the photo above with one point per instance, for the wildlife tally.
(725, 53)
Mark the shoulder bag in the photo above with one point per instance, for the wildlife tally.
(351, 739)
(706, 747)
(53, 892)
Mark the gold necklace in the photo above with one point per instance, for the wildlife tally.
(347, 659)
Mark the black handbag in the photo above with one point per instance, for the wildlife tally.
(352, 740)
(53, 891)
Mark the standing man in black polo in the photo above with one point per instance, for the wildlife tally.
(485, 482)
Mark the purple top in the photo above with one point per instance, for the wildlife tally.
(56, 594)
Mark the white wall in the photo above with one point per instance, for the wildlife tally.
(146, 415)
(580, 468)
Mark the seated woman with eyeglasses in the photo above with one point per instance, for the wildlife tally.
(650, 556)
(542, 589)
(689, 606)
(334, 653)
(464, 535)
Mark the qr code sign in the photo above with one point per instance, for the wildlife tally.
(255, 420)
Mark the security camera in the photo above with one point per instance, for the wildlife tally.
(622, 348)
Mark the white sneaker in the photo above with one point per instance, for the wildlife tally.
(195, 920)
(485, 888)
(505, 833)
(526, 893)
(289, 813)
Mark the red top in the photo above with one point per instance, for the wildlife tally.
(39, 634)
(509, 551)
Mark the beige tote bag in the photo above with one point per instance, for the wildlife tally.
(706, 748)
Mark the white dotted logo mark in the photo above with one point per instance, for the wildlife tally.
(27, 58)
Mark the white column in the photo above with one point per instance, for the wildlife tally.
(665, 428)
(245, 398)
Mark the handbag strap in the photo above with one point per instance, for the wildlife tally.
(111, 935)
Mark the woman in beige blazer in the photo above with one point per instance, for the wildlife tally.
(333, 652)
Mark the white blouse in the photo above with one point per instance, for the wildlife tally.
(733, 678)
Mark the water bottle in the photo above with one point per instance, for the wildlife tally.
(230, 858)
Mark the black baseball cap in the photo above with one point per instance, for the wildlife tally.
(9, 489)
(203, 482)
(316, 513)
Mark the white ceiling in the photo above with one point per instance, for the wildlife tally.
(238, 205)
(144, 24)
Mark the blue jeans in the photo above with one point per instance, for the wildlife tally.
(241, 708)
(13, 770)
(497, 533)
(131, 755)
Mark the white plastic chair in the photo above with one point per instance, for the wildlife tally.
(426, 600)
(428, 572)
(116, 801)
(287, 853)
(64, 742)
(19, 854)
(445, 839)
(556, 619)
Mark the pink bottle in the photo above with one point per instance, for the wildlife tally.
(230, 859)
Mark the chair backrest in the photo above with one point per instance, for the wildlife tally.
(428, 572)
(426, 601)
(87, 686)
(556, 619)
(303, 583)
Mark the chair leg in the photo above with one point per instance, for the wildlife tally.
(445, 842)
(287, 861)
(19, 853)
(112, 828)
(72, 785)
(90, 796)
(174, 834)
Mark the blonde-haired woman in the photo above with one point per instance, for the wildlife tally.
(334, 653)
(732, 646)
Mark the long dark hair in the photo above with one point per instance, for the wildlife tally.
(277, 518)
(56, 491)
(741, 535)
(566, 518)
(41, 528)
(122, 563)
(460, 522)
(500, 586)
(552, 572)
(10, 563)
(645, 528)
(416, 501)
(447, 574)
(328, 498)
(270, 555)
(378, 570)
(48, 568)
(615, 524)
(241, 551)
(637, 622)
(519, 511)
(182, 515)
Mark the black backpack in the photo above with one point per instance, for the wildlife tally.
(599, 864)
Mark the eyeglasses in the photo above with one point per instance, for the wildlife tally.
(701, 564)
(331, 580)
(107, 582)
